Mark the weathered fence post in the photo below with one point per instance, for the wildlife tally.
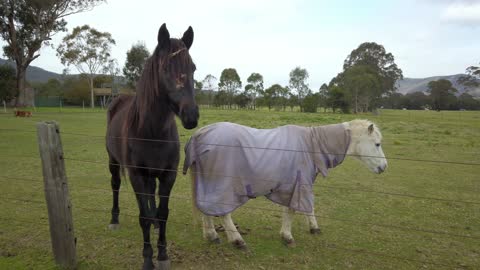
(56, 194)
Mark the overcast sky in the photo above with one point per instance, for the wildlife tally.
(271, 37)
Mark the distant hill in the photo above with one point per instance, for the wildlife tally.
(35, 74)
(411, 85)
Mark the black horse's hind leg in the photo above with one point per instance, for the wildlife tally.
(166, 180)
(115, 182)
(156, 223)
(144, 187)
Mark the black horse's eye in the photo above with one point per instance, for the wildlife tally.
(377, 145)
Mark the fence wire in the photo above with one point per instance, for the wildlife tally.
(263, 209)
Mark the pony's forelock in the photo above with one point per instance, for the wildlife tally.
(358, 126)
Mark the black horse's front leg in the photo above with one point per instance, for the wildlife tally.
(144, 187)
(167, 179)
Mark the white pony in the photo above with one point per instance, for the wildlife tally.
(231, 164)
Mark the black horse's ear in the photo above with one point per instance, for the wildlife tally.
(188, 37)
(370, 129)
(163, 37)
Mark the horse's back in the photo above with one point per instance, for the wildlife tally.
(117, 105)
(232, 134)
(116, 114)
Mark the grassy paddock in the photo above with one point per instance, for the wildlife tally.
(360, 230)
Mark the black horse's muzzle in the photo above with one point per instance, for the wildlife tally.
(189, 117)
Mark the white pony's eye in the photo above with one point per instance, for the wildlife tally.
(377, 145)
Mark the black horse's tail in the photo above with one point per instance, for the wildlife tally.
(115, 106)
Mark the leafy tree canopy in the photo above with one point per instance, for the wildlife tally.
(136, 57)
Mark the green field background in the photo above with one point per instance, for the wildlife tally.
(367, 221)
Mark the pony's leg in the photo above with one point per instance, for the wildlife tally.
(209, 231)
(166, 181)
(312, 222)
(115, 183)
(286, 231)
(233, 235)
(144, 188)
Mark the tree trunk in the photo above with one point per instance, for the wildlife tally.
(21, 95)
(356, 102)
(92, 102)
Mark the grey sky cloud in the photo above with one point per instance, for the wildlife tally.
(463, 12)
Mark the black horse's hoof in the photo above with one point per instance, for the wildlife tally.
(315, 231)
(148, 265)
(163, 265)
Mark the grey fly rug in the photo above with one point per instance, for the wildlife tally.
(235, 163)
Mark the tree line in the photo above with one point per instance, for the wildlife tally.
(366, 82)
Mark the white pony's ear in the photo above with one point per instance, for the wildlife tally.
(370, 129)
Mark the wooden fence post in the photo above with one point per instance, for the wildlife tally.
(56, 194)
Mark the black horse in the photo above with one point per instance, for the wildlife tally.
(142, 135)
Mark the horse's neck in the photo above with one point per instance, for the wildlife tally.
(330, 141)
(157, 123)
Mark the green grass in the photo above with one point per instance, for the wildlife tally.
(350, 218)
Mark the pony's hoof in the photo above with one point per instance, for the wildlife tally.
(290, 243)
(215, 241)
(240, 244)
(114, 227)
(163, 265)
(315, 231)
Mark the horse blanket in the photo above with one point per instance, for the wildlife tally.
(234, 163)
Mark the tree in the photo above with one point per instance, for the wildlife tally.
(208, 84)
(76, 90)
(27, 25)
(242, 100)
(363, 83)
(52, 87)
(441, 93)
(88, 50)
(220, 98)
(374, 55)
(466, 101)
(472, 78)
(197, 85)
(271, 95)
(254, 87)
(311, 102)
(338, 98)
(136, 57)
(230, 83)
(283, 95)
(415, 101)
(7, 83)
(323, 93)
(298, 77)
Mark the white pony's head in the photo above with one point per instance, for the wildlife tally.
(366, 144)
